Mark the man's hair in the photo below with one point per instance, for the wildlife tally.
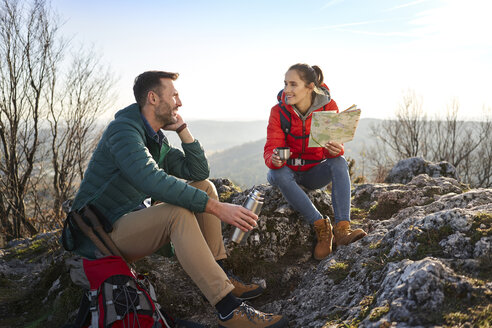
(149, 81)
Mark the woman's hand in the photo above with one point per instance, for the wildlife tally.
(276, 161)
(334, 148)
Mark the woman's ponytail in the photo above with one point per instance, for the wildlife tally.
(319, 75)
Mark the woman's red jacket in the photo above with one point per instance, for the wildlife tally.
(298, 147)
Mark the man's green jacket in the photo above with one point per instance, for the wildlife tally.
(128, 166)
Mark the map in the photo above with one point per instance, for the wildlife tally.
(330, 126)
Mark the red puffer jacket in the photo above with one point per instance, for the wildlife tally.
(298, 147)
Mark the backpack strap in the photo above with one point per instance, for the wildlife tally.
(285, 125)
(286, 119)
(93, 307)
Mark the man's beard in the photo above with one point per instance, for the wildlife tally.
(165, 116)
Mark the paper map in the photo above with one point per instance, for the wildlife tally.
(330, 126)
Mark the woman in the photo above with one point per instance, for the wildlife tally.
(313, 168)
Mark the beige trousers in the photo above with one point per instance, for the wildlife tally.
(197, 240)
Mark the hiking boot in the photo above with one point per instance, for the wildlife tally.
(245, 316)
(324, 238)
(242, 290)
(344, 235)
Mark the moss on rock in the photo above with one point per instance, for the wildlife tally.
(429, 242)
(378, 312)
(481, 227)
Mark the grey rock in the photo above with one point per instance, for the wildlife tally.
(430, 255)
(405, 170)
(384, 200)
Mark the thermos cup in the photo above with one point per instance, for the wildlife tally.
(283, 153)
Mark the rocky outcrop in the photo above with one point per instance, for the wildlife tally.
(384, 200)
(406, 169)
(426, 261)
(418, 268)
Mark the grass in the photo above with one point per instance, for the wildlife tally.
(378, 312)
(384, 210)
(338, 272)
(24, 306)
(30, 251)
(480, 317)
(375, 245)
(358, 213)
(429, 242)
(460, 311)
(365, 307)
(481, 227)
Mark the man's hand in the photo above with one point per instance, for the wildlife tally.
(185, 135)
(174, 126)
(276, 161)
(334, 148)
(235, 215)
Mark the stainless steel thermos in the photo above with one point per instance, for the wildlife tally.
(253, 202)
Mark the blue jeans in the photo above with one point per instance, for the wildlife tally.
(333, 170)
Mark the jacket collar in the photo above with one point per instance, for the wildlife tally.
(134, 114)
(156, 136)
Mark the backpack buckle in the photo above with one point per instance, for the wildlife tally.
(297, 162)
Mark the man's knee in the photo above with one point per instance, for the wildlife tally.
(207, 186)
(179, 216)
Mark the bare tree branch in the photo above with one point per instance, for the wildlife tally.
(464, 144)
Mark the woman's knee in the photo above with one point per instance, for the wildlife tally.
(339, 165)
(207, 186)
(280, 176)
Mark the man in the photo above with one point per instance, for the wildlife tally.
(133, 161)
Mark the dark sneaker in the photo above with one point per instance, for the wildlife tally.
(244, 291)
(245, 316)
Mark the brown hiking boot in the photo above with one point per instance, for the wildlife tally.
(325, 238)
(245, 316)
(242, 290)
(344, 235)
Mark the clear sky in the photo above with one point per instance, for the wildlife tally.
(232, 55)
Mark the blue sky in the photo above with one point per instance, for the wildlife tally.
(232, 55)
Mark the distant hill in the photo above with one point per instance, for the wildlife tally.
(244, 163)
(220, 135)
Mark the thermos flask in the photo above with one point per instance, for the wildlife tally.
(253, 202)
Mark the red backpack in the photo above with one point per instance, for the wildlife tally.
(117, 296)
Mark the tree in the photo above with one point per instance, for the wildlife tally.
(27, 42)
(407, 135)
(72, 119)
(454, 140)
(464, 144)
(47, 115)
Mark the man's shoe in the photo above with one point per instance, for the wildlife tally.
(244, 291)
(344, 235)
(325, 238)
(245, 316)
